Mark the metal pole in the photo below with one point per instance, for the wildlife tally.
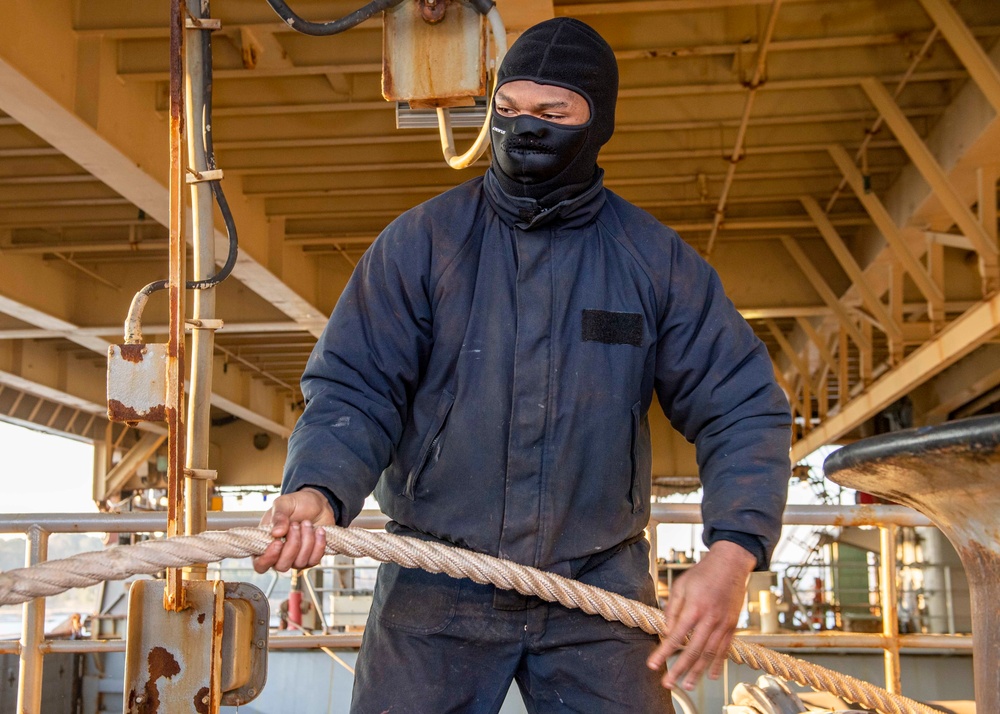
(148, 522)
(890, 617)
(173, 594)
(949, 601)
(29, 686)
(202, 339)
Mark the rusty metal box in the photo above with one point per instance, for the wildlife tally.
(137, 382)
(439, 64)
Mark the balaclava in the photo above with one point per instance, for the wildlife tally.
(534, 158)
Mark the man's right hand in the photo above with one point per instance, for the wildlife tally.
(296, 521)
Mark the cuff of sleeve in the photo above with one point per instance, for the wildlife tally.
(750, 543)
(335, 503)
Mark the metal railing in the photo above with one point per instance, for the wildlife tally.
(33, 646)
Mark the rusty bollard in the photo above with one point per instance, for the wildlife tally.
(951, 474)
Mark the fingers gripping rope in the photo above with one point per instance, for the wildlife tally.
(149, 557)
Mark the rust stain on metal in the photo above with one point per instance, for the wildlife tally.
(201, 701)
(132, 353)
(176, 64)
(161, 664)
(174, 594)
(119, 412)
(426, 65)
(201, 618)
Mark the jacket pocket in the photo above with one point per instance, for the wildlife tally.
(430, 443)
(635, 493)
(413, 600)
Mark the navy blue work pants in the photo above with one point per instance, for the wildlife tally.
(438, 645)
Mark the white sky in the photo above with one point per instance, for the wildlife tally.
(41, 473)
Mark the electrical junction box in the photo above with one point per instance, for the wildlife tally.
(434, 54)
(137, 382)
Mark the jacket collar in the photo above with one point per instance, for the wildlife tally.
(525, 213)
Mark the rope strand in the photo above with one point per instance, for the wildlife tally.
(150, 557)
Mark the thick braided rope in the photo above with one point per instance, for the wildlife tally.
(149, 557)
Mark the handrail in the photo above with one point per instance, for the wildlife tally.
(684, 513)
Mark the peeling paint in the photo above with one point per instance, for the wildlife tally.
(132, 353)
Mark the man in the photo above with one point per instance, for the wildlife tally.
(488, 371)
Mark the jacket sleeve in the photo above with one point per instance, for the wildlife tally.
(362, 373)
(716, 384)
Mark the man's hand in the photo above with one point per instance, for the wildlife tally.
(298, 519)
(705, 603)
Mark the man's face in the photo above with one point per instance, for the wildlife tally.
(543, 101)
(538, 131)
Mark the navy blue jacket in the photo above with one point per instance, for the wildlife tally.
(488, 372)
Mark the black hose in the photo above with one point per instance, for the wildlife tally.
(325, 29)
(483, 7)
(217, 192)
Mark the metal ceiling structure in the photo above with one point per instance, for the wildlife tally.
(836, 161)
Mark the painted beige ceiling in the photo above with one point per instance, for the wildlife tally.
(862, 295)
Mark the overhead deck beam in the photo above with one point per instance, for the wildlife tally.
(960, 384)
(228, 394)
(884, 222)
(836, 244)
(829, 297)
(73, 137)
(786, 85)
(981, 68)
(935, 176)
(229, 328)
(829, 362)
(958, 339)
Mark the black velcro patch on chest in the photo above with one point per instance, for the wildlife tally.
(612, 328)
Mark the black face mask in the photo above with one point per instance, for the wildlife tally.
(532, 151)
(534, 158)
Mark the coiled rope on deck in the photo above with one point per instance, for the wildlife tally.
(149, 557)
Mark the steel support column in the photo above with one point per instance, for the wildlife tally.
(890, 611)
(203, 303)
(29, 684)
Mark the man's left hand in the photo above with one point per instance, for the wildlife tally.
(705, 603)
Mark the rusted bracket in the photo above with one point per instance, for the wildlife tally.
(213, 653)
(202, 176)
(203, 324)
(202, 23)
